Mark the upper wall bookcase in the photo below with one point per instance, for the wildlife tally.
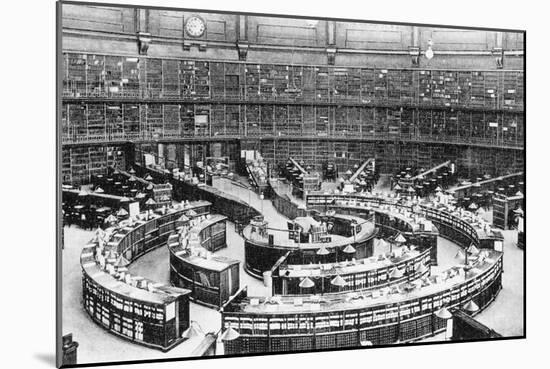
(89, 76)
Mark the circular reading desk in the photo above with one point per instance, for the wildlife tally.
(132, 307)
(307, 316)
(329, 291)
(264, 246)
(211, 279)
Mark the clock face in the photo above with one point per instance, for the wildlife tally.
(195, 26)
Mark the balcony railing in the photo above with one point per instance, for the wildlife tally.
(293, 134)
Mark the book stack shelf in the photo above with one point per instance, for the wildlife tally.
(98, 158)
(113, 120)
(322, 125)
(395, 88)
(309, 154)
(217, 122)
(407, 90)
(295, 125)
(234, 78)
(354, 85)
(354, 121)
(154, 114)
(130, 78)
(491, 89)
(171, 79)
(202, 79)
(153, 78)
(308, 83)
(253, 120)
(438, 122)
(233, 120)
(217, 80)
(518, 78)
(171, 120)
(266, 120)
(80, 159)
(131, 117)
(280, 120)
(202, 120)
(76, 75)
(451, 123)
(78, 120)
(464, 79)
(295, 83)
(322, 85)
(381, 85)
(89, 75)
(271, 120)
(152, 98)
(66, 174)
(340, 91)
(266, 82)
(187, 79)
(452, 88)
(187, 116)
(477, 92)
(425, 86)
(393, 118)
(340, 122)
(95, 76)
(96, 121)
(367, 85)
(381, 122)
(113, 76)
(439, 96)
(252, 82)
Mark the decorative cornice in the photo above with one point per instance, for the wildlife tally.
(157, 40)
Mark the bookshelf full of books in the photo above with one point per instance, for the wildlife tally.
(90, 75)
(132, 307)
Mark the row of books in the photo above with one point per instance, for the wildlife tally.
(122, 77)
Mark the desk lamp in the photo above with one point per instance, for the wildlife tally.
(338, 281)
(470, 307)
(230, 334)
(194, 330)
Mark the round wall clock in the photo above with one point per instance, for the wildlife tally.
(195, 26)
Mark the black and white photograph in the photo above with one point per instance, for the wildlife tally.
(235, 184)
